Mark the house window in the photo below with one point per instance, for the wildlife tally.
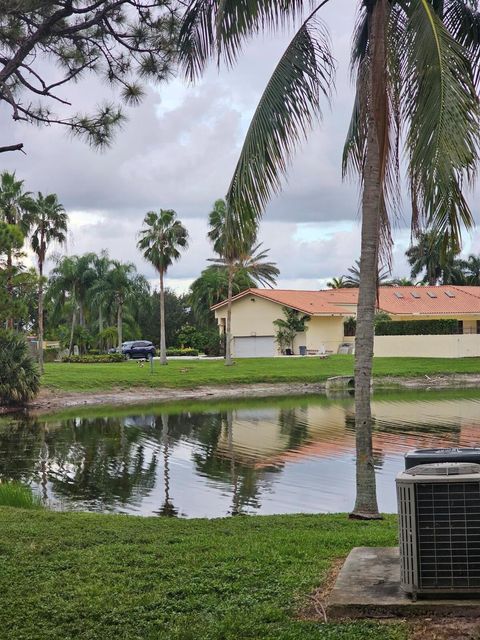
(349, 327)
(459, 326)
(478, 326)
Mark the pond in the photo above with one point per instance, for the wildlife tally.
(262, 456)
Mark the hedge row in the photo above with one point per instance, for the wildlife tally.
(182, 352)
(92, 359)
(417, 328)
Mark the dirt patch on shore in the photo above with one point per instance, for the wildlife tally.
(450, 381)
(49, 400)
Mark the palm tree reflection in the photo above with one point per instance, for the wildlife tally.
(167, 509)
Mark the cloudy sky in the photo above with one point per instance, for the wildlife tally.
(178, 150)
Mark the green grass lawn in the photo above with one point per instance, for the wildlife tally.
(100, 577)
(195, 373)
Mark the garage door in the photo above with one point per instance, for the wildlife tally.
(254, 347)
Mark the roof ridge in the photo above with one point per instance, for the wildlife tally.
(461, 287)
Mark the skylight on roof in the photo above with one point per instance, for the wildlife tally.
(431, 294)
(398, 294)
(450, 294)
(414, 294)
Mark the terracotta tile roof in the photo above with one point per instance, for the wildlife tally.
(310, 302)
(441, 300)
(473, 291)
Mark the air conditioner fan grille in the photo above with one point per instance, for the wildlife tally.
(448, 535)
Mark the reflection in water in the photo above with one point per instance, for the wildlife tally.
(167, 509)
(267, 456)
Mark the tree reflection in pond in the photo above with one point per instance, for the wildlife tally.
(101, 463)
(167, 509)
(269, 456)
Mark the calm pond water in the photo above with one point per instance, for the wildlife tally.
(261, 456)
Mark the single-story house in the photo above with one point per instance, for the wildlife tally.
(255, 310)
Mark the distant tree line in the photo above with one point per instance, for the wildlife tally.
(431, 264)
(96, 302)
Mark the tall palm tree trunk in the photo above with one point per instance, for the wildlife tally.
(120, 324)
(228, 327)
(40, 315)
(9, 322)
(366, 496)
(72, 329)
(163, 345)
(100, 326)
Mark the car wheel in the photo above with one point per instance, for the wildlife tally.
(127, 356)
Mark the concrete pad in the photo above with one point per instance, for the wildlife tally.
(368, 585)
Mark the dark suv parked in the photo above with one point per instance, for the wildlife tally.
(139, 349)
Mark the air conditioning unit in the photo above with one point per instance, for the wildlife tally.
(452, 454)
(439, 528)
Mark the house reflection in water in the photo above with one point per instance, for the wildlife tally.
(266, 456)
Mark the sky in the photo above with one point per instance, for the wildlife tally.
(178, 151)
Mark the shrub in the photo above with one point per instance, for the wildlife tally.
(380, 316)
(189, 337)
(94, 359)
(19, 373)
(214, 343)
(15, 494)
(182, 352)
(51, 354)
(417, 328)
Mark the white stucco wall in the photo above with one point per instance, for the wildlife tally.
(325, 331)
(449, 346)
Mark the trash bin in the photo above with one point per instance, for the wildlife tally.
(302, 350)
(429, 456)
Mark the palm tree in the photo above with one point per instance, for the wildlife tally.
(70, 280)
(98, 293)
(413, 61)
(238, 253)
(428, 256)
(14, 203)
(211, 287)
(160, 242)
(47, 221)
(402, 282)
(352, 279)
(337, 283)
(453, 272)
(121, 283)
(471, 267)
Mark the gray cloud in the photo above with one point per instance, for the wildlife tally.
(178, 150)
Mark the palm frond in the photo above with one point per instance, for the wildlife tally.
(286, 112)
(462, 19)
(440, 104)
(220, 27)
(384, 101)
